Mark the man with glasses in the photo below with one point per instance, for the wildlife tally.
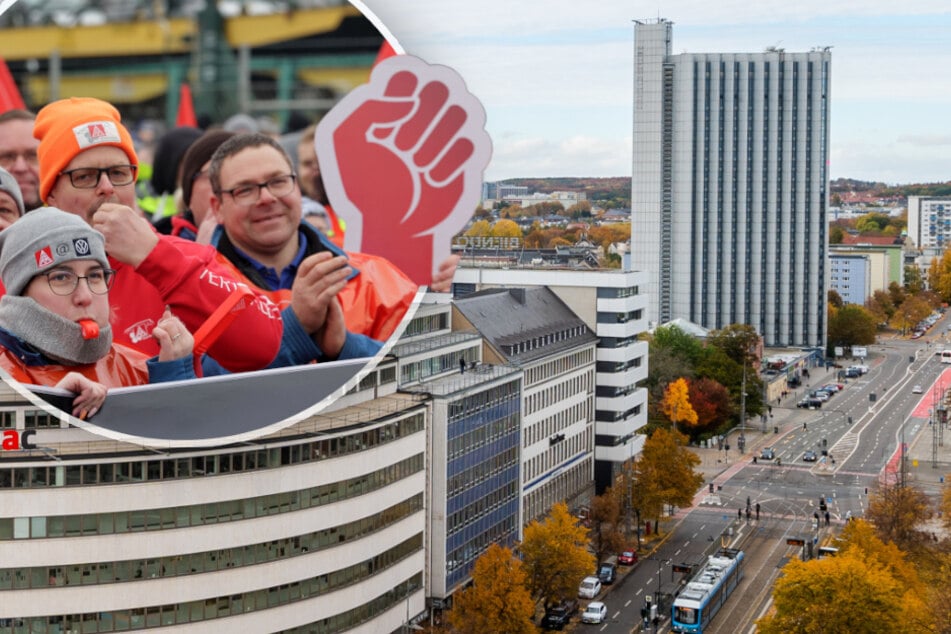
(54, 319)
(87, 167)
(257, 203)
(18, 154)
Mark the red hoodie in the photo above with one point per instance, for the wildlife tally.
(189, 278)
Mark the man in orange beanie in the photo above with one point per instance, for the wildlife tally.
(88, 167)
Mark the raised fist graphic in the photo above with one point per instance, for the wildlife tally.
(402, 160)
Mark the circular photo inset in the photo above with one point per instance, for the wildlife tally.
(200, 251)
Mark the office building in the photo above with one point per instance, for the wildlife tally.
(613, 305)
(533, 330)
(730, 186)
(317, 528)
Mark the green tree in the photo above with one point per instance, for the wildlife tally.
(836, 234)
(914, 282)
(851, 325)
(498, 599)
(556, 555)
(580, 209)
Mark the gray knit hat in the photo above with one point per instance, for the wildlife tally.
(43, 239)
(9, 185)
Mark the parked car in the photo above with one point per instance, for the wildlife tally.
(589, 588)
(917, 390)
(627, 558)
(558, 616)
(596, 612)
(822, 395)
(768, 453)
(607, 573)
(809, 456)
(809, 403)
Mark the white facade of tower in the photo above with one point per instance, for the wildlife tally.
(730, 187)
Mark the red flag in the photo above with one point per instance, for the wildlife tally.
(10, 98)
(186, 108)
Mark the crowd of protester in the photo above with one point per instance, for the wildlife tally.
(108, 275)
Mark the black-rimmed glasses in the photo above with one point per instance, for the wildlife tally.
(250, 193)
(65, 282)
(88, 177)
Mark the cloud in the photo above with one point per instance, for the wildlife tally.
(926, 140)
(522, 156)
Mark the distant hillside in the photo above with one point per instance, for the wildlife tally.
(881, 190)
(609, 192)
(615, 191)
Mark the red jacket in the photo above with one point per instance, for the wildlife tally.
(190, 279)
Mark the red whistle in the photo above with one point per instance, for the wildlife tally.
(90, 328)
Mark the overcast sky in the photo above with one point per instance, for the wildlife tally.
(555, 76)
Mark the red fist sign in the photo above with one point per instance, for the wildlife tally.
(402, 160)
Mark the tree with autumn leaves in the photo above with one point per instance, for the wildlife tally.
(676, 404)
(556, 556)
(498, 600)
(869, 586)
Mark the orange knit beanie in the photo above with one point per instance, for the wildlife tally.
(69, 126)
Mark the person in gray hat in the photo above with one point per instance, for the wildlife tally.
(11, 200)
(54, 317)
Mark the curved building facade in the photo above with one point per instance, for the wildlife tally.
(319, 528)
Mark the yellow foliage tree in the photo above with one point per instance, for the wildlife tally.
(556, 555)
(664, 473)
(479, 228)
(498, 599)
(840, 594)
(506, 229)
(676, 403)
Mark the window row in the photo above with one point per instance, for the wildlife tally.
(566, 486)
(472, 476)
(62, 473)
(468, 405)
(541, 341)
(207, 561)
(581, 385)
(617, 293)
(620, 318)
(238, 604)
(565, 363)
(481, 507)
(439, 364)
(421, 325)
(483, 435)
(557, 454)
(203, 514)
(544, 429)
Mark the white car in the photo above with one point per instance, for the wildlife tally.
(589, 588)
(917, 390)
(596, 612)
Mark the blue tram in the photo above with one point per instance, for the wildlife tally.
(704, 595)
